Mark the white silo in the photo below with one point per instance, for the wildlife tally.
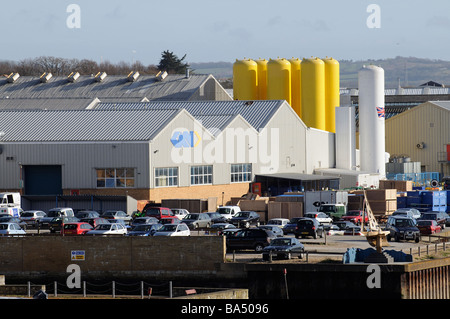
(371, 119)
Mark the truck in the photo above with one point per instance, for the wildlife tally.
(335, 211)
(10, 204)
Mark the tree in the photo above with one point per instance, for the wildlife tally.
(171, 63)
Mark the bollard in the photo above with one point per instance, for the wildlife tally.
(84, 289)
(114, 289)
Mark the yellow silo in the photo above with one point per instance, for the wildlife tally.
(296, 86)
(279, 80)
(245, 80)
(332, 95)
(313, 93)
(262, 79)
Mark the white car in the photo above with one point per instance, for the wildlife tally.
(322, 218)
(228, 211)
(108, 229)
(11, 229)
(179, 212)
(280, 222)
(173, 230)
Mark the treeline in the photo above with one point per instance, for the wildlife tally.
(61, 66)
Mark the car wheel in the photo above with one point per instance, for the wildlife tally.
(259, 247)
(315, 235)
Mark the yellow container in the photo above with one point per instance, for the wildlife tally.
(279, 80)
(313, 93)
(245, 80)
(332, 95)
(296, 85)
(262, 79)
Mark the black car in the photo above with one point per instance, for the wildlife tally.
(56, 223)
(245, 219)
(289, 228)
(283, 247)
(439, 217)
(249, 238)
(86, 214)
(217, 217)
(402, 228)
(308, 227)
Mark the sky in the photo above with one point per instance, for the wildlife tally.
(225, 30)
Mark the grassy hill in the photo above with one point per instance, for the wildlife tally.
(409, 71)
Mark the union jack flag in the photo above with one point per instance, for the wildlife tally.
(380, 112)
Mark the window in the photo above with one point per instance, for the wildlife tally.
(166, 176)
(115, 177)
(241, 173)
(201, 175)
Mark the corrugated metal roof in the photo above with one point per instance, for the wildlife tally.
(256, 113)
(47, 104)
(173, 87)
(83, 125)
(404, 91)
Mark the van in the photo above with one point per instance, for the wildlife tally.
(157, 212)
(12, 211)
(335, 211)
(56, 212)
(228, 211)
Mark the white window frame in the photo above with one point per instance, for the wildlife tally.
(201, 175)
(241, 173)
(169, 180)
(112, 178)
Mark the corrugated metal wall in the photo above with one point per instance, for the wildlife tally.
(432, 283)
(427, 123)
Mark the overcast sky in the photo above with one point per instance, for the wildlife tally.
(211, 30)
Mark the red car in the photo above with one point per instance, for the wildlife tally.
(428, 227)
(355, 216)
(79, 228)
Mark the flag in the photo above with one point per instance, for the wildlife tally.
(380, 112)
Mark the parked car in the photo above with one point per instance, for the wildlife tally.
(280, 222)
(144, 230)
(428, 227)
(283, 248)
(402, 228)
(245, 219)
(344, 224)
(7, 229)
(107, 229)
(157, 212)
(437, 216)
(32, 217)
(322, 218)
(447, 219)
(217, 217)
(353, 231)
(144, 220)
(56, 212)
(170, 220)
(57, 223)
(218, 228)
(180, 212)
(173, 230)
(94, 221)
(410, 212)
(116, 214)
(197, 220)
(333, 230)
(228, 211)
(249, 238)
(86, 214)
(274, 229)
(289, 228)
(355, 216)
(308, 227)
(122, 222)
(77, 228)
(16, 220)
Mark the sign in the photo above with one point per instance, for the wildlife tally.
(185, 139)
(77, 255)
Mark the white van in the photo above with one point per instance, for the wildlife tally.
(228, 211)
(12, 211)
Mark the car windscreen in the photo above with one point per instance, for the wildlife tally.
(26, 214)
(153, 212)
(192, 216)
(353, 213)
(429, 216)
(280, 242)
(404, 223)
(424, 223)
(168, 227)
(222, 210)
(103, 227)
(242, 214)
(54, 213)
(146, 227)
(3, 226)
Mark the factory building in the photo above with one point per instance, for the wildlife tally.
(423, 135)
(156, 150)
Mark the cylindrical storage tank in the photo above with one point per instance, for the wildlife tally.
(371, 119)
(313, 93)
(279, 80)
(262, 78)
(332, 94)
(296, 85)
(245, 80)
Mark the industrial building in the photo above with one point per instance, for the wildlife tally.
(422, 134)
(156, 150)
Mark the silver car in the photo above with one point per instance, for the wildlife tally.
(32, 217)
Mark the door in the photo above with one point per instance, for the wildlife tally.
(42, 180)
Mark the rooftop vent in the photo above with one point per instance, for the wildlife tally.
(45, 77)
(73, 76)
(133, 76)
(12, 77)
(100, 76)
(161, 75)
